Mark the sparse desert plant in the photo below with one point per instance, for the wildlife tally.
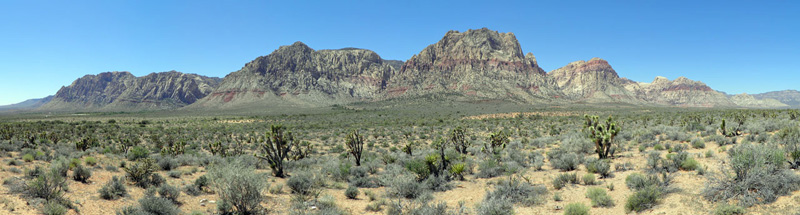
(602, 134)
(169, 192)
(565, 178)
(643, 199)
(576, 209)
(589, 179)
(600, 167)
(563, 160)
(113, 189)
(599, 197)
(141, 173)
(355, 146)
(757, 175)
(239, 186)
(276, 149)
(53, 208)
(495, 206)
(351, 192)
(81, 173)
(519, 192)
(404, 187)
(726, 209)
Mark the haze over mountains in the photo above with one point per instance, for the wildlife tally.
(474, 65)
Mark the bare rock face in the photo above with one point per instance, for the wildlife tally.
(123, 91)
(592, 81)
(297, 74)
(680, 92)
(481, 64)
(748, 101)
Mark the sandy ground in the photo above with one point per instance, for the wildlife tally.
(686, 200)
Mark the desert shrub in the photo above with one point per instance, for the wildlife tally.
(202, 182)
(757, 175)
(169, 192)
(49, 185)
(577, 142)
(141, 173)
(489, 168)
(81, 173)
(565, 178)
(61, 166)
(167, 163)
(33, 173)
(360, 178)
(621, 167)
(351, 192)
(174, 174)
(599, 197)
(404, 186)
(789, 138)
(690, 164)
(192, 190)
(157, 205)
(654, 161)
(239, 186)
(53, 208)
(302, 184)
(495, 206)
(638, 181)
(726, 209)
(91, 161)
(698, 143)
(576, 209)
(156, 179)
(113, 189)
(137, 153)
(27, 158)
(518, 192)
(437, 183)
(564, 161)
(589, 179)
(601, 167)
(643, 199)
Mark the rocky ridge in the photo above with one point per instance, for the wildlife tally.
(124, 91)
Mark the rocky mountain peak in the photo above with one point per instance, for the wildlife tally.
(595, 80)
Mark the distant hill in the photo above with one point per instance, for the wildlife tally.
(789, 97)
(122, 91)
(27, 104)
(475, 66)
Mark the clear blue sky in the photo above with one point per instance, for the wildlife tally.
(734, 46)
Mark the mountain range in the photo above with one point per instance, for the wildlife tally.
(475, 65)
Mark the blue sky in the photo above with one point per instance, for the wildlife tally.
(733, 46)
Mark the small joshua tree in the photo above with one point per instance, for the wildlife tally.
(276, 148)
(602, 134)
(459, 139)
(497, 143)
(355, 145)
(727, 133)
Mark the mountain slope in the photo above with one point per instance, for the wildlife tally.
(123, 91)
(592, 81)
(299, 75)
(749, 101)
(27, 104)
(681, 92)
(789, 97)
(477, 64)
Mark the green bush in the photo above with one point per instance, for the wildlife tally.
(601, 167)
(643, 199)
(301, 184)
(698, 143)
(599, 197)
(563, 160)
(563, 179)
(157, 205)
(495, 206)
(113, 189)
(137, 153)
(53, 208)
(576, 209)
(690, 164)
(404, 186)
(91, 161)
(169, 192)
(27, 158)
(49, 186)
(519, 192)
(589, 179)
(759, 175)
(81, 173)
(238, 185)
(351, 192)
(726, 209)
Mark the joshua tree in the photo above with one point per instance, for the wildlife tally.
(602, 134)
(276, 148)
(458, 137)
(497, 143)
(355, 144)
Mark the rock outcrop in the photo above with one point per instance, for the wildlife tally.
(592, 81)
(299, 75)
(479, 64)
(681, 92)
(122, 91)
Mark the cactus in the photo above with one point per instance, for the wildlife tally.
(497, 143)
(276, 148)
(602, 134)
(355, 145)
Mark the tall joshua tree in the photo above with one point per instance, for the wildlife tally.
(355, 145)
(276, 148)
(602, 134)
